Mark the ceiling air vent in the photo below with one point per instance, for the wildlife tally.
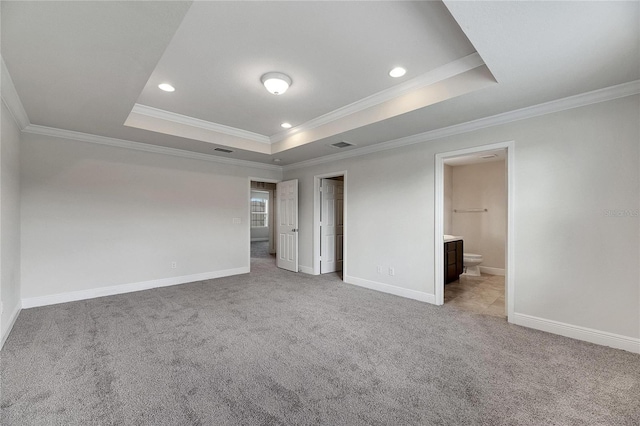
(342, 144)
(223, 150)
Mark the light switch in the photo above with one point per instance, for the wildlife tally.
(236, 220)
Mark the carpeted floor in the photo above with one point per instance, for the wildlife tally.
(277, 348)
(260, 250)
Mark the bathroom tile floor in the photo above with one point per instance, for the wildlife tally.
(482, 295)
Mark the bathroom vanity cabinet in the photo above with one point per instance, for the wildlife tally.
(453, 258)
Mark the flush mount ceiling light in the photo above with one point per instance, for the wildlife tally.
(167, 87)
(397, 72)
(276, 82)
(286, 125)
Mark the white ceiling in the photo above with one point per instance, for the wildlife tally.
(334, 56)
(93, 66)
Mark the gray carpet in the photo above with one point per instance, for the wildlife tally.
(276, 348)
(260, 250)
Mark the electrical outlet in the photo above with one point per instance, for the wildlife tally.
(379, 269)
(174, 265)
(392, 271)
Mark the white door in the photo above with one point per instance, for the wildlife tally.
(287, 250)
(331, 225)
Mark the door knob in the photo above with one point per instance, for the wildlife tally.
(294, 230)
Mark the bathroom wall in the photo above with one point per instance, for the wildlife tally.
(448, 194)
(481, 186)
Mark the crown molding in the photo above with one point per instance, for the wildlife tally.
(198, 123)
(139, 146)
(444, 72)
(11, 99)
(576, 101)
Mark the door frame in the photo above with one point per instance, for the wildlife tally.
(248, 217)
(439, 219)
(317, 206)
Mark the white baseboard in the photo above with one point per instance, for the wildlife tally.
(492, 271)
(306, 269)
(12, 321)
(598, 337)
(255, 240)
(72, 296)
(391, 289)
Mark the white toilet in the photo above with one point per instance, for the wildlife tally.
(471, 263)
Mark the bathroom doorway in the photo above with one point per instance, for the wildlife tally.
(473, 206)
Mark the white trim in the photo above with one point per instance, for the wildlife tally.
(12, 321)
(10, 97)
(139, 146)
(316, 220)
(444, 72)
(439, 219)
(584, 99)
(438, 232)
(598, 337)
(306, 270)
(510, 261)
(260, 239)
(72, 296)
(185, 120)
(391, 289)
(492, 271)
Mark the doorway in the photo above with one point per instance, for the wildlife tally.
(330, 224)
(262, 212)
(482, 213)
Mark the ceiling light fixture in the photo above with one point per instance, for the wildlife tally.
(397, 72)
(286, 125)
(167, 87)
(276, 82)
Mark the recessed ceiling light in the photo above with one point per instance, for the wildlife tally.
(276, 160)
(167, 87)
(286, 125)
(397, 72)
(276, 82)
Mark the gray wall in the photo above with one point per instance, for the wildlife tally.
(9, 221)
(97, 216)
(574, 264)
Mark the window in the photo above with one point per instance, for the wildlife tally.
(259, 212)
